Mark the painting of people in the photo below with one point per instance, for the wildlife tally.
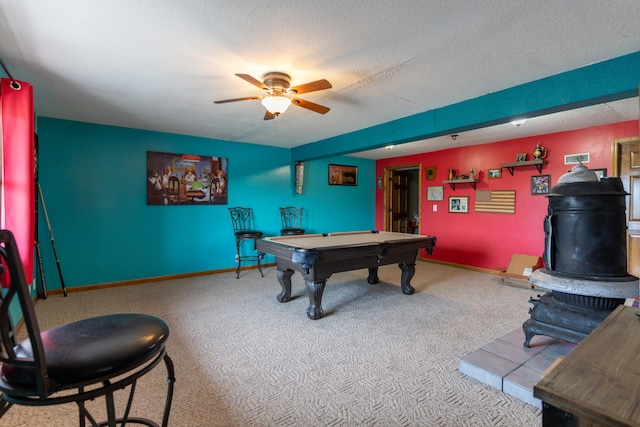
(176, 179)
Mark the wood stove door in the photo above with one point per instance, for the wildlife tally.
(626, 165)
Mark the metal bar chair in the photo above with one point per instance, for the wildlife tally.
(243, 231)
(291, 218)
(78, 361)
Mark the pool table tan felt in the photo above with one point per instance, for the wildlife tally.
(317, 256)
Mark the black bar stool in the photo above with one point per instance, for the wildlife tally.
(291, 218)
(78, 361)
(242, 230)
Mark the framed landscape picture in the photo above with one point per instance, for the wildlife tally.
(459, 204)
(494, 173)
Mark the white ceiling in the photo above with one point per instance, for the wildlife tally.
(159, 65)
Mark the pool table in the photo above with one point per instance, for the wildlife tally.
(317, 256)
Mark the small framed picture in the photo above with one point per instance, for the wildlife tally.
(343, 175)
(540, 184)
(521, 157)
(435, 193)
(494, 173)
(459, 204)
(600, 173)
(430, 172)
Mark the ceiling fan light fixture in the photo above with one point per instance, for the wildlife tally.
(276, 104)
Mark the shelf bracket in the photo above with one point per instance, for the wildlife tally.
(538, 163)
(453, 185)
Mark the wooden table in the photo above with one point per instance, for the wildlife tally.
(317, 256)
(598, 383)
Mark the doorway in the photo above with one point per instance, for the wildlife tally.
(625, 161)
(402, 199)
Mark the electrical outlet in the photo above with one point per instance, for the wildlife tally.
(435, 208)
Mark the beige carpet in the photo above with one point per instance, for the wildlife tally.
(377, 358)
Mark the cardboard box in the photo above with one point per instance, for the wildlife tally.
(523, 265)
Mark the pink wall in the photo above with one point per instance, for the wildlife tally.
(488, 240)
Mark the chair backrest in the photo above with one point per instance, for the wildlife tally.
(15, 287)
(291, 217)
(240, 218)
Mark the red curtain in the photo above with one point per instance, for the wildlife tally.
(17, 192)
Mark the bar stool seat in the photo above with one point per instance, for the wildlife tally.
(292, 231)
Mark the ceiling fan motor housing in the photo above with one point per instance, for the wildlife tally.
(277, 83)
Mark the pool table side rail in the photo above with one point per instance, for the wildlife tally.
(348, 239)
(342, 252)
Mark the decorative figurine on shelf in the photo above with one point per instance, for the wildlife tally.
(452, 174)
(472, 174)
(539, 152)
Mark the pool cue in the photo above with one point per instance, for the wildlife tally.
(44, 285)
(35, 202)
(53, 244)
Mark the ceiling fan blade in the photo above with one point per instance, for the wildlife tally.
(268, 115)
(252, 80)
(237, 99)
(312, 87)
(310, 105)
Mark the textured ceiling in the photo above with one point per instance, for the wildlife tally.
(159, 65)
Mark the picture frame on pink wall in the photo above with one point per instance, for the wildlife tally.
(540, 184)
(459, 204)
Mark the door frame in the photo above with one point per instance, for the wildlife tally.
(388, 190)
(615, 152)
(616, 145)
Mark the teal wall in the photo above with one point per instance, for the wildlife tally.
(605, 81)
(93, 178)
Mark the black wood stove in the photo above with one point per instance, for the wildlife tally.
(585, 258)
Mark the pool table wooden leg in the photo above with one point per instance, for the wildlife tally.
(284, 277)
(408, 270)
(373, 275)
(315, 290)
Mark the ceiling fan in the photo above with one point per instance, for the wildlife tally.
(280, 95)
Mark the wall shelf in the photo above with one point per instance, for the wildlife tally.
(453, 182)
(538, 163)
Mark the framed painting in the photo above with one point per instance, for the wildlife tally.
(540, 184)
(600, 172)
(186, 179)
(494, 173)
(435, 193)
(459, 204)
(343, 175)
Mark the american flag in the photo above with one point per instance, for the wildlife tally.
(496, 201)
